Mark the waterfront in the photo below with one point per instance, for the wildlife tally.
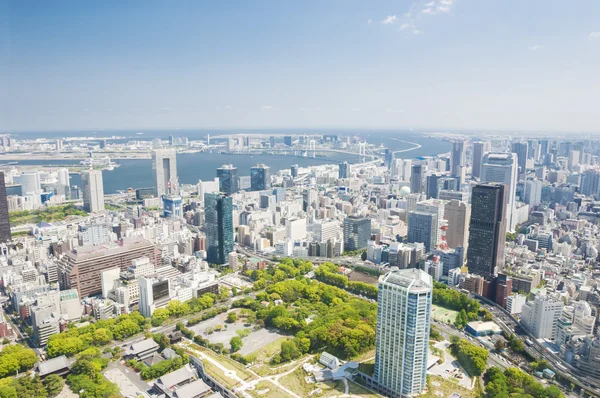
(137, 173)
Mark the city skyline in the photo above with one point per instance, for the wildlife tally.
(412, 64)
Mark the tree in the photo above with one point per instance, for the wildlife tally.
(499, 344)
(231, 317)
(53, 384)
(159, 316)
(176, 308)
(102, 336)
(236, 343)
(363, 256)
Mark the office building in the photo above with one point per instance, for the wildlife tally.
(218, 224)
(260, 178)
(423, 228)
(533, 192)
(154, 293)
(5, 235)
(172, 206)
(287, 140)
(457, 158)
(294, 170)
(402, 337)
(432, 185)
(540, 316)
(357, 232)
(503, 290)
(479, 149)
(164, 167)
(501, 168)
(80, 268)
(487, 229)
(521, 149)
(344, 170)
(590, 183)
(416, 178)
(93, 191)
(458, 214)
(515, 303)
(228, 179)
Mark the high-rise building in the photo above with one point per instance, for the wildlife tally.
(521, 149)
(590, 183)
(457, 158)
(432, 185)
(501, 168)
(388, 158)
(402, 339)
(228, 178)
(172, 206)
(287, 140)
(343, 170)
(93, 190)
(533, 192)
(164, 167)
(4, 221)
(423, 228)
(260, 179)
(503, 290)
(458, 214)
(357, 232)
(487, 229)
(540, 316)
(479, 149)
(416, 178)
(218, 224)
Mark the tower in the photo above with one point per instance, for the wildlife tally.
(521, 149)
(479, 149)
(416, 178)
(501, 168)
(487, 229)
(93, 190)
(260, 178)
(402, 340)
(218, 224)
(164, 167)
(228, 179)
(458, 157)
(4, 221)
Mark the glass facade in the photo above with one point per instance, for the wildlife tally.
(260, 178)
(357, 232)
(4, 221)
(218, 224)
(228, 179)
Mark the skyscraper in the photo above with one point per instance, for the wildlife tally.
(357, 232)
(228, 178)
(294, 170)
(423, 228)
(402, 340)
(521, 149)
(590, 183)
(164, 167)
(416, 178)
(487, 229)
(457, 158)
(479, 149)
(343, 170)
(93, 190)
(4, 222)
(260, 179)
(501, 168)
(458, 215)
(218, 224)
(432, 185)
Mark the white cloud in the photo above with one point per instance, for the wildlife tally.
(390, 19)
(266, 107)
(406, 26)
(369, 21)
(595, 35)
(227, 106)
(445, 5)
(535, 47)
(390, 110)
(437, 6)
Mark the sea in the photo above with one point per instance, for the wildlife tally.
(137, 173)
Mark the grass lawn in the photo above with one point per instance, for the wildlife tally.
(265, 353)
(296, 382)
(367, 368)
(260, 391)
(444, 388)
(443, 314)
(229, 363)
(266, 370)
(365, 356)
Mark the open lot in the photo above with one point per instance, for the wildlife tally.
(127, 380)
(442, 314)
(442, 388)
(253, 342)
(450, 369)
(296, 381)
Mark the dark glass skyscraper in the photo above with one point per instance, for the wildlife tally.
(357, 232)
(218, 225)
(416, 178)
(228, 178)
(343, 170)
(487, 229)
(260, 178)
(4, 221)
(521, 149)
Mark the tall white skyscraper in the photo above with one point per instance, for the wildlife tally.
(502, 168)
(93, 191)
(403, 318)
(540, 316)
(479, 149)
(164, 167)
(533, 192)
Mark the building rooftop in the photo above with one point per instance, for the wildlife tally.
(136, 348)
(52, 365)
(176, 377)
(412, 279)
(192, 390)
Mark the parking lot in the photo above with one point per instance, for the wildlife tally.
(254, 341)
(128, 381)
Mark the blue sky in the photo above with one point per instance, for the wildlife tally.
(526, 65)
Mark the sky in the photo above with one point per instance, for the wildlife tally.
(514, 65)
